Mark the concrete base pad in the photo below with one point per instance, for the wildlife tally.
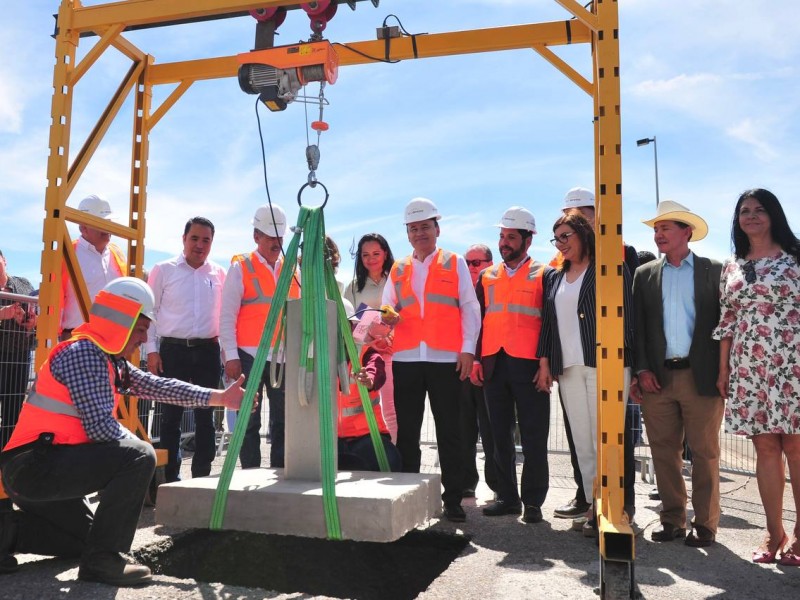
(374, 507)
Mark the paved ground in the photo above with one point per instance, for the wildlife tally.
(506, 558)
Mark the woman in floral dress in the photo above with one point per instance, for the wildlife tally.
(759, 333)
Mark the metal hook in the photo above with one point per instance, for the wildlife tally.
(316, 183)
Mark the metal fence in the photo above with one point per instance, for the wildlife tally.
(16, 349)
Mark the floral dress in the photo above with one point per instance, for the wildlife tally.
(763, 320)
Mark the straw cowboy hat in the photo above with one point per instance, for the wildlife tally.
(672, 211)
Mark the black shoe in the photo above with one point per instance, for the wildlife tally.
(701, 537)
(454, 513)
(666, 532)
(8, 533)
(571, 509)
(533, 514)
(113, 569)
(501, 507)
(654, 495)
(468, 493)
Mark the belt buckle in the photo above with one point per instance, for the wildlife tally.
(191, 342)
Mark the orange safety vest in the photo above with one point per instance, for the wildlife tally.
(512, 310)
(259, 288)
(352, 419)
(116, 256)
(440, 328)
(49, 407)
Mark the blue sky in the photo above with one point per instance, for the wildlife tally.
(714, 80)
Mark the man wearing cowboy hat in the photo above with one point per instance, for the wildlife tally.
(676, 300)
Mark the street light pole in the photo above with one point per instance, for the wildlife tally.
(645, 142)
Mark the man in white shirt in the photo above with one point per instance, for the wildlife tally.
(434, 346)
(99, 259)
(184, 340)
(246, 300)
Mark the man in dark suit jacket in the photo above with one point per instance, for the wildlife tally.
(676, 302)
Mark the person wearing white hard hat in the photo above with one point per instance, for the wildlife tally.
(184, 343)
(510, 297)
(677, 307)
(434, 346)
(67, 443)
(100, 261)
(568, 345)
(582, 200)
(246, 300)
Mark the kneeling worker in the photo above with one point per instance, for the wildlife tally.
(67, 443)
(356, 452)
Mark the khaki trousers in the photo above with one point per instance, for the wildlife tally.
(678, 411)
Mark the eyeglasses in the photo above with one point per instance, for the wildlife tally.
(562, 239)
(477, 262)
(749, 270)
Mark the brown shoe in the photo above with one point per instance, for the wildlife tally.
(701, 537)
(113, 569)
(666, 532)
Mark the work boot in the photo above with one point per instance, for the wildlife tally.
(113, 569)
(8, 533)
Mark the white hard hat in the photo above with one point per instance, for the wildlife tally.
(578, 197)
(96, 206)
(136, 290)
(420, 209)
(517, 217)
(264, 223)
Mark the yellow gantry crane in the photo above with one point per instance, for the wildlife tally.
(596, 25)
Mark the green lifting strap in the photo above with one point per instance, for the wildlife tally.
(318, 284)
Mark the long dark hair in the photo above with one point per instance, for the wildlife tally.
(582, 228)
(778, 228)
(361, 270)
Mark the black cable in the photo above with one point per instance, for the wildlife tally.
(365, 55)
(266, 185)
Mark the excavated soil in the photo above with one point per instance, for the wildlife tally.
(398, 570)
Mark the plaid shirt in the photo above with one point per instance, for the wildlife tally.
(83, 368)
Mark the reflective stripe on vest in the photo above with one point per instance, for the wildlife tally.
(50, 405)
(260, 297)
(352, 411)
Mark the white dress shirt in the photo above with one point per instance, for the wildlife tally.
(98, 270)
(188, 300)
(232, 293)
(468, 307)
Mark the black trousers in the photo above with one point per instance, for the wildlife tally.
(474, 421)
(50, 484)
(507, 393)
(199, 365)
(412, 381)
(250, 454)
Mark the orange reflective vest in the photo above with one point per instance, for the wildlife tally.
(440, 327)
(352, 419)
(259, 288)
(49, 407)
(512, 310)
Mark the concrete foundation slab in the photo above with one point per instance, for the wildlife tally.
(373, 507)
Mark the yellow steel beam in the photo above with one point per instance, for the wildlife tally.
(493, 39)
(100, 129)
(616, 536)
(170, 100)
(73, 215)
(560, 64)
(95, 52)
(586, 17)
(140, 153)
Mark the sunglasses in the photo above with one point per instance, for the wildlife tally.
(477, 262)
(562, 239)
(749, 270)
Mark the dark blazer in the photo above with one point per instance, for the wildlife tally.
(550, 340)
(651, 344)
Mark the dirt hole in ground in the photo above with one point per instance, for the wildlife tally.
(398, 570)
